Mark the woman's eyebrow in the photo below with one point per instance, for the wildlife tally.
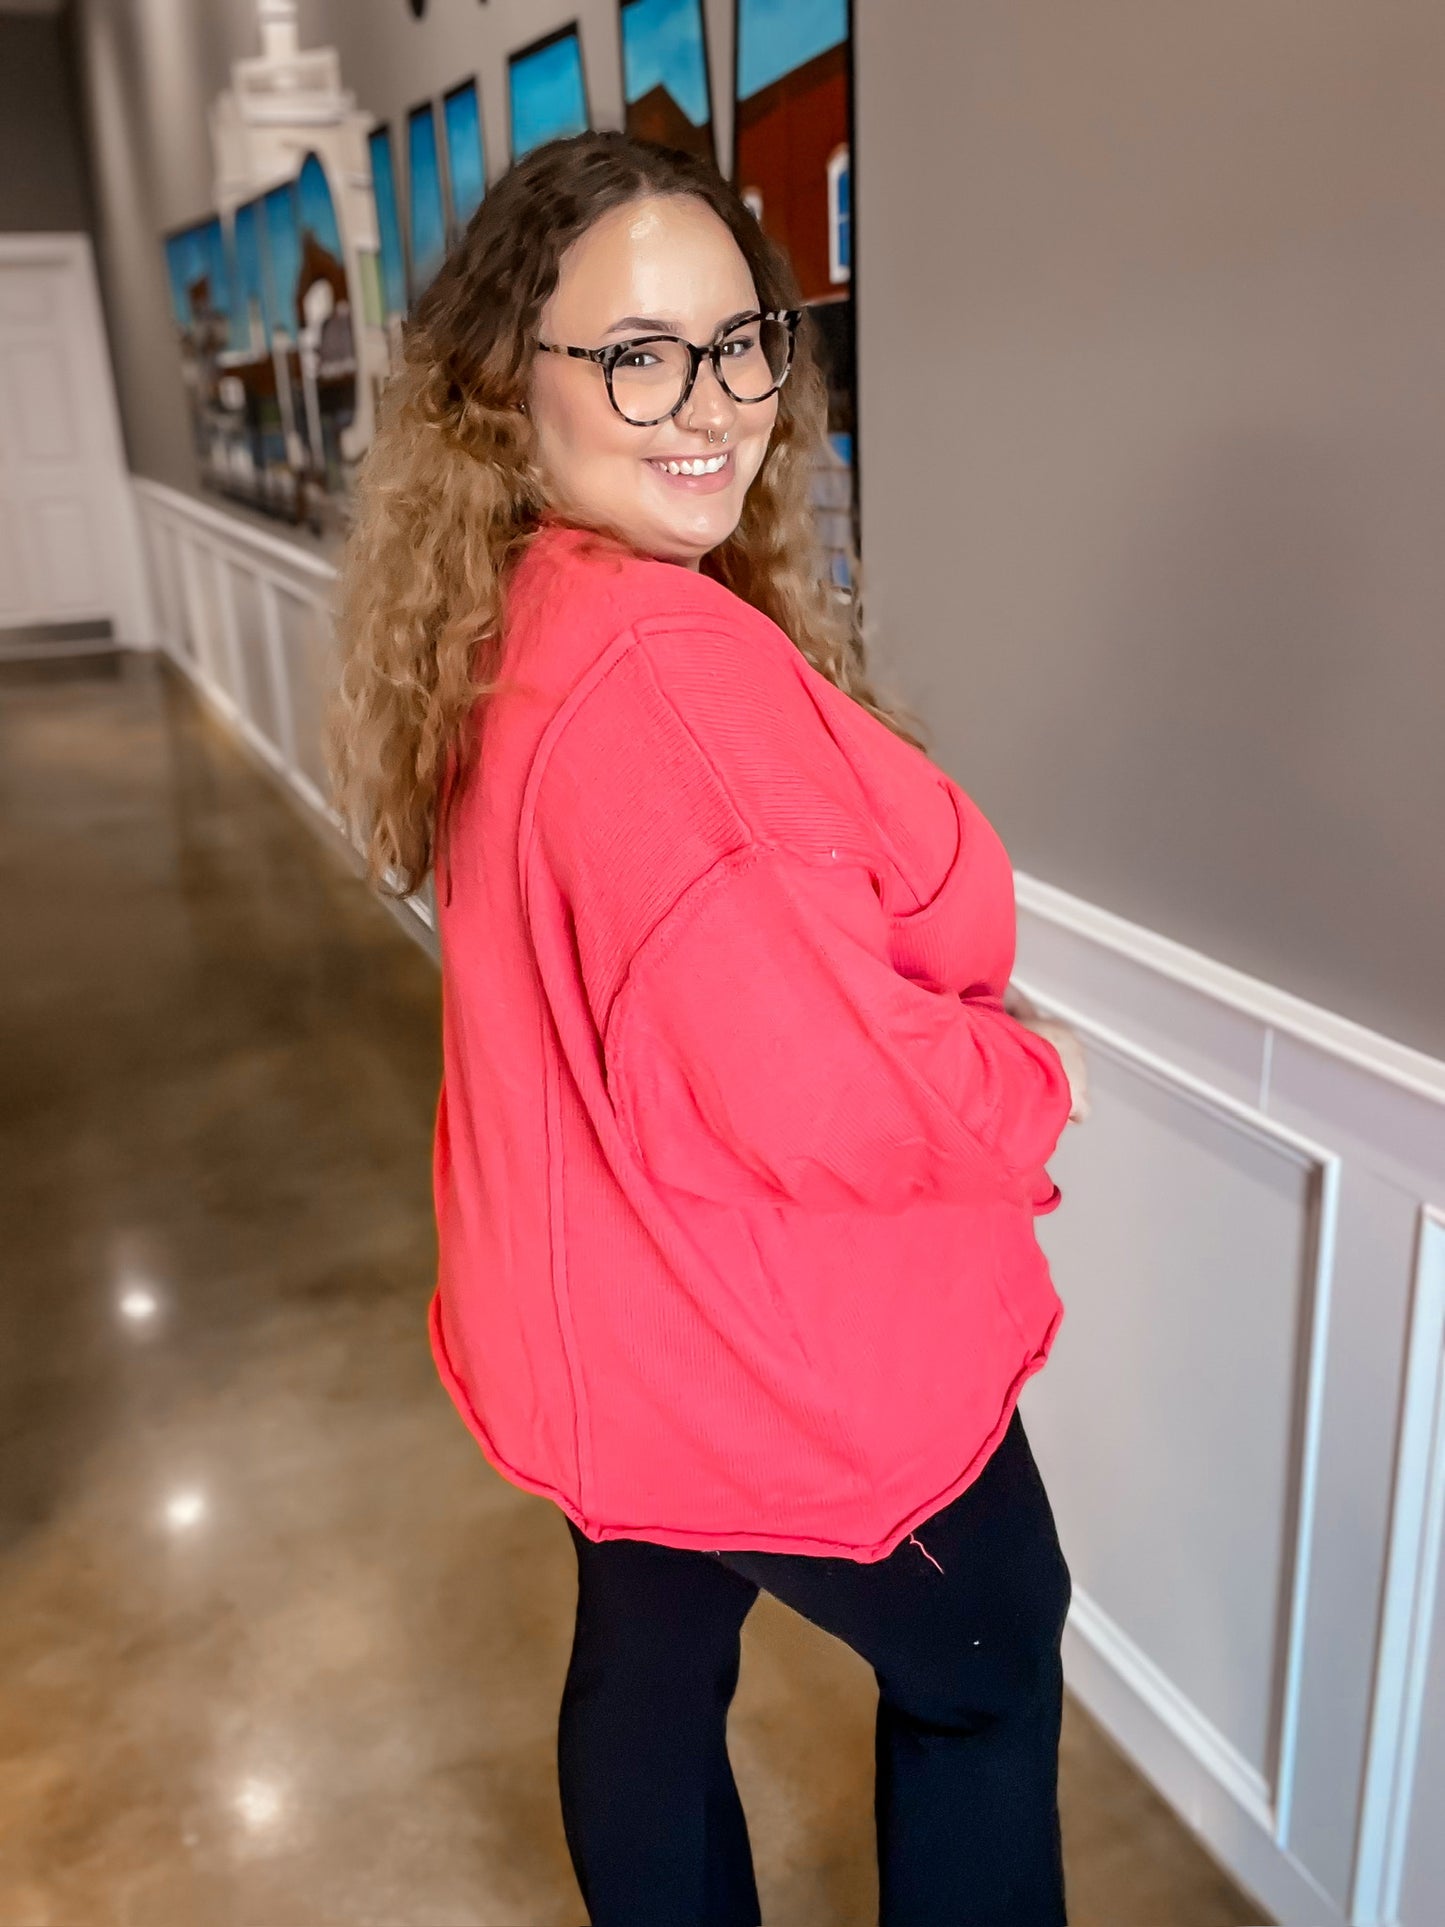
(643, 321)
(658, 326)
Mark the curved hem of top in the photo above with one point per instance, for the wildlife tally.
(686, 1540)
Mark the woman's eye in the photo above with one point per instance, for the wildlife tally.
(637, 358)
(739, 345)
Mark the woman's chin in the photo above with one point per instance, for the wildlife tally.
(701, 525)
(681, 530)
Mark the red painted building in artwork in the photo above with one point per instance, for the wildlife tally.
(791, 164)
(656, 116)
(789, 134)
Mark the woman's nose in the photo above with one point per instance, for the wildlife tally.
(709, 405)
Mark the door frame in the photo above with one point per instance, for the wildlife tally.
(72, 253)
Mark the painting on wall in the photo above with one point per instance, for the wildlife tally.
(247, 452)
(390, 303)
(210, 310)
(426, 211)
(267, 344)
(326, 356)
(546, 91)
(665, 83)
(466, 157)
(251, 309)
(792, 166)
(198, 270)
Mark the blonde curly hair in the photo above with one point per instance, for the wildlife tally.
(449, 495)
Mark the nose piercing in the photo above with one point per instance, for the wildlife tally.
(716, 438)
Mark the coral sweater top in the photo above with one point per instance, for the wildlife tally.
(738, 1154)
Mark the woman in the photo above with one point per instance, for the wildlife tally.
(738, 1150)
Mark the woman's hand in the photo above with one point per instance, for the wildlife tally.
(1065, 1040)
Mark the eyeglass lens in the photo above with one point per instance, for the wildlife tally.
(648, 380)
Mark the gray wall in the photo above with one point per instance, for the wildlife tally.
(1151, 317)
(42, 168)
(1151, 402)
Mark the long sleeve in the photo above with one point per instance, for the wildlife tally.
(718, 867)
(764, 1048)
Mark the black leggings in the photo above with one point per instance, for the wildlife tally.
(962, 1625)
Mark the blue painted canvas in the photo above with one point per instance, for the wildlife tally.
(775, 36)
(251, 303)
(388, 221)
(662, 46)
(318, 210)
(282, 254)
(424, 198)
(194, 256)
(466, 166)
(548, 98)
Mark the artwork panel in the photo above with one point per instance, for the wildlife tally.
(426, 209)
(327, 362)
(665, 74)
(316, 208)
(548, 95)
(199, 273)
(775, 37)
(252, 317)
(466, 163)
(793, 167)
(388, 220)
(281, 256)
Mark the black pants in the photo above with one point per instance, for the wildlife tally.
(962, 1625)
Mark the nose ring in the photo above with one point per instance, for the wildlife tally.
(716, 438)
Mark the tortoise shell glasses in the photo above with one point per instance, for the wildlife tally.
(649, 377)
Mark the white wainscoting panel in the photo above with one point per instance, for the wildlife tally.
(1212, 1226)
(1221, 1422)
(305, 630)
(244, 593)
(246, 613)
(1400, 1874)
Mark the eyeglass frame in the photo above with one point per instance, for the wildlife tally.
(608, 357)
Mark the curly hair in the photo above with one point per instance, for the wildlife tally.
(449, 495)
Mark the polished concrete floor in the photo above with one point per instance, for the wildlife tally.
(277, 1649)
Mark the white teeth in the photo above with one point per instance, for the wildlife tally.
(698, 466)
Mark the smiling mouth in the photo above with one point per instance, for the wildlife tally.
(691, 464)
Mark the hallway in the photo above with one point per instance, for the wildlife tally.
(277, 1648)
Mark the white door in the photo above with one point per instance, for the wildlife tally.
(68, 546)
